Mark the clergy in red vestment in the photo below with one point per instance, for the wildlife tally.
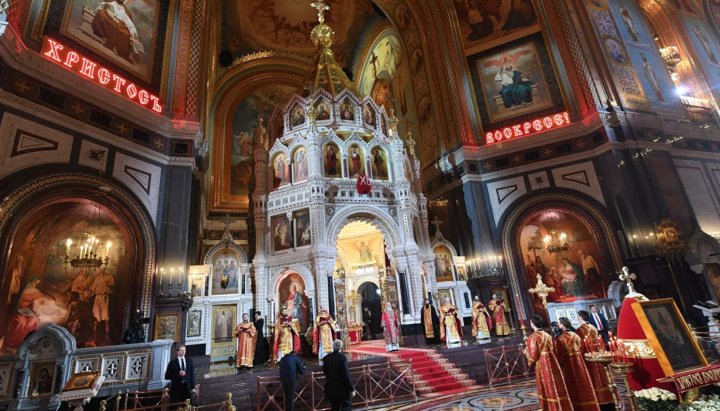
(390, 325)
(552, 392)
(287, 335)
(323, 334)
(588, 333)
(569, 355)
(450, 325)
(246, 334)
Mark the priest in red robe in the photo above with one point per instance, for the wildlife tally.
(287, 335)
(587, 332)
(391, 328)
(450, 325)
(324, 333)
(569, 355)
(552, 392)
(246, 334)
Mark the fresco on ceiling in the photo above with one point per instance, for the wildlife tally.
(384, 75)
(39, 289)
(244, 121)
(580, 272)
(483, 21)
(124, 32)
(360, 251)
(253, 25)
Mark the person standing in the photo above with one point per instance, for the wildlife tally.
(482, 322)
(324, 333)
(246, 334)
(592, 338)
(497, 309)
(430, 322)
(367, 319)
(290, 368)
(182, 377)
(598, 320)
(338, 384)
(287, 336)
(540, 352)
(261, 345)
(451, 330)
(569, 355)
(391, 329)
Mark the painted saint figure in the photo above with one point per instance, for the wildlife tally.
(629, 24)
(355, 162)
(114, 25)
(331, 161)
(391, 328)
(246, 335)
(652, 78)
(591, 272)
(287, 336)
(324, 333)
(569, 356)
(296, 306)
(430, 322)
(516, 87)
(705, 44)
(551, 388)
(496, 306)
(481, 320)
(102, 288)
(222, 326)
(451, 325)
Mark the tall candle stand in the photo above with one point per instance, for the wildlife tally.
(604, 358)
(622, 368)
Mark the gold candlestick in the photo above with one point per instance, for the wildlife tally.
(623, 368)
(604, 358)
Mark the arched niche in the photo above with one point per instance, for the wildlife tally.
(229, 267)
(95, 305)
(560, 213)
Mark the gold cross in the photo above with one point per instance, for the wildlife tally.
(628, 278)
(542, 290)
(321, 7)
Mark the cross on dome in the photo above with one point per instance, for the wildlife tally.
(321, 8)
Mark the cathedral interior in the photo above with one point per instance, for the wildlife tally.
(220, 158)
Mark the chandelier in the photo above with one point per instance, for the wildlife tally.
(87, 251)
(672, 58)
(556, 243)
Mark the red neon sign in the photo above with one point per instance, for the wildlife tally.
(528, 128)
(77, 63)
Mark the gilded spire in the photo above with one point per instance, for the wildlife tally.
(327, 74)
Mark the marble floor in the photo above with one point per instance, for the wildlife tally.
(516, 397)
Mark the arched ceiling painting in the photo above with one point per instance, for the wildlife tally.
(254, 25)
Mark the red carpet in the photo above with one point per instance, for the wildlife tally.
(433, 374)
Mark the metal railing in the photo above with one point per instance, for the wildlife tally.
(159, 400)
(506, 364)
(374, 384)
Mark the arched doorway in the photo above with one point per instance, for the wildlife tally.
(371, 303)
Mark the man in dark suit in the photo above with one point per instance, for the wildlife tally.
(182, 377)
(368, 320)
(338, 385)
(600, 322)
(290, 368)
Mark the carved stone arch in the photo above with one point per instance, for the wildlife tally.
(227, 243)
(348, 94)
(591, 215)
(278, 147)
(443, 242)
(374, 216)
(122, 201)
(278, 274)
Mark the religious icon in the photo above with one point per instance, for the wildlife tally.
(356, 161)
(281, 171)
(81, 381)
(194, 323)
(369, 116)
(297, 116)
(331, 161)
(301, 165)
(302, 228)
(347, 111)
(292, 294)
(42, 378)
(652, 78)
(379, 164)
(482, 21)
(281, 232)
(443, 263)
(615, 50)
(322, 110)
(513, 82)
(223, 322)
(225, 273)
(629, 23)
(124, 32)
(166, 327)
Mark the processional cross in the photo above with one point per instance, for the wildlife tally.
(321, 7)
(628, 278)
(542, 290)
(436, 222)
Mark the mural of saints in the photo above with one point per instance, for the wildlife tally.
(301, 165)
(379, 164)
(281, 232)
(291, 293)
(356, 161)
(331, 161)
